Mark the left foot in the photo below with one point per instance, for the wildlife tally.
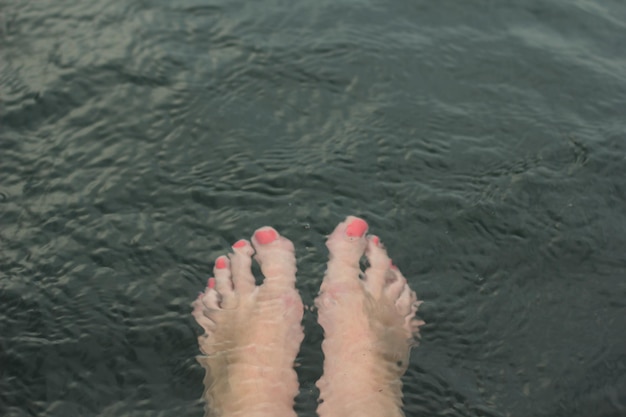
(252, 333)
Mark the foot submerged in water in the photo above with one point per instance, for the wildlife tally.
(252, 333)
(369, 325)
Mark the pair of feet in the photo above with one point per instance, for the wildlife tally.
(253, 333)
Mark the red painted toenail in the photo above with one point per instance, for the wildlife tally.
(376, 240)
(211, 283)
(239, 244)
(220, 263)
(357, 228)
(266, 236)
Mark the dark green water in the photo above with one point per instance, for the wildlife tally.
(484, 141)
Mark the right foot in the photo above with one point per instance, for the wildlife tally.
(369, 326)
(252, 333)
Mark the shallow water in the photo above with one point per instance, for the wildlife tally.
(484, 142)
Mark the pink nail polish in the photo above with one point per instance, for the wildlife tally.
(211, 283)
(220, 263)
(356, 228)
(239, 244)
(266, 236)
(376, 240)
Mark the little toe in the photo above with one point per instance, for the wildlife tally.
(379, 273)
(346, 245)
(415, 304)
(210, 298)
(411, 323)
(240, 266)
(276, 256)
(223, 281)
(202, 310)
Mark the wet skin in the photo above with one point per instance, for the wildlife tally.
(253, 333)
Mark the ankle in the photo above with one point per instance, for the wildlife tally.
(361, 404)
(269, 408)
(344, 394)
(249, 390)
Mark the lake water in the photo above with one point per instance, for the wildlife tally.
(484, 141)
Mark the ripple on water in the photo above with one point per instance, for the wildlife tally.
(482, 142)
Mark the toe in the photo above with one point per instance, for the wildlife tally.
(240, 266)
(395, 286)
(201, 310)
(223, 282)
(211, 298)
(379, 274)
(346, 245)
(405, 301)
(276, 256)
(411, 323)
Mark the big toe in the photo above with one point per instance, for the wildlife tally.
(276, 256)
(346, 245)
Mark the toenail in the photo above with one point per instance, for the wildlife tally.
(239, 244)
(376, 240)
(391, 265)
(357, 228)
(265, 236)
(220, 263)
(211, 283)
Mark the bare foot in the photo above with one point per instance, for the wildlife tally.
(253, 333)
(369, 326)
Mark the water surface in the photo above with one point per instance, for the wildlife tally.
(484, 141)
